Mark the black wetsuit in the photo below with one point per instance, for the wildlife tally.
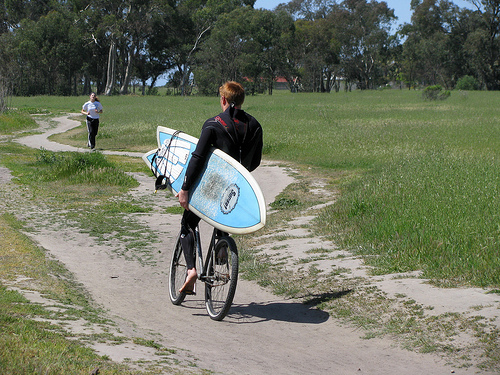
(237, 134)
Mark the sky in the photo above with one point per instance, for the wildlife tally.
(401, 7)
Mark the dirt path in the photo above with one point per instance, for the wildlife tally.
(262, 334)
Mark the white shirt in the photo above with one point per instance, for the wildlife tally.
(92, 108)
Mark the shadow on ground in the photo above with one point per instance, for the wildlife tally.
(293, 312)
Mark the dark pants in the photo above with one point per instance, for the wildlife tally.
(92, 127)
(188, 224)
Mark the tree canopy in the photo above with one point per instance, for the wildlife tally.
(70, 47)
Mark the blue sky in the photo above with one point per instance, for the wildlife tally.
(401, 7)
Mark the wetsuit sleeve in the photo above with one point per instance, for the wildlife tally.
(252, 148)
(257, 151)
(199, 156)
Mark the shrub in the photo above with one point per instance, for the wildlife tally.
(467, 83)
(435, 92)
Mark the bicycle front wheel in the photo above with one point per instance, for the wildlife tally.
(177, 274)
(222, 277)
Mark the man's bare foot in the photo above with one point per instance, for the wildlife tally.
(190, 282)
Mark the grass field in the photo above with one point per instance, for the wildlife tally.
(420, 186)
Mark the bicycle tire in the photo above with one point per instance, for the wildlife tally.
(222, 278)
(177, 273)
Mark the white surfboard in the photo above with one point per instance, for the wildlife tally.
(225, 195)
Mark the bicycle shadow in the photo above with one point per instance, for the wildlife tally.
(286, 311)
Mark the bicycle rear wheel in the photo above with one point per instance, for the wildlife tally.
(222, 277)
(177, 274)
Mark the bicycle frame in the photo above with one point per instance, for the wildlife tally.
(218, 271)
(203, 265)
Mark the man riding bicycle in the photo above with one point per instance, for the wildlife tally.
(236, 133)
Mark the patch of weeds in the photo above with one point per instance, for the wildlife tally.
(174, 210)
(321, 298)
(147, 343)
(254, 267)
(115, 221)
(279, 247)
(121, 207)
(318, 251)
(284, 203)
(339, 271)
(77, 168)
(282, 237)
(310, 259)
(14, 121)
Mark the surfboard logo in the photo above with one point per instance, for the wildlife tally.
(229, 198)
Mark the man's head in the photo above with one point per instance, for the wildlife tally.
(233, 92)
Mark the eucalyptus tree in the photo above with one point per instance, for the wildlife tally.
(347, 39)
(316, 48)
(464, 57)
(308, 10)
(168, 28)
(39, 49)
(14, 11)
(444, 42)
(363, 33)
(217, 59)
(138, 21)
(428, 40)
(319, 50)
(247, 44)
(199, 18)
(268, 38)
(47, 55)
(121, 28)
(102, 22)
(484, 44)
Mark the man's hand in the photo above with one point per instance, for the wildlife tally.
(183, 196)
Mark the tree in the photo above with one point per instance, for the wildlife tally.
(48, 55)
(267, 44)
(121, 27)
(363, 33)
(245, 44)
(485, 43)
(433, 45)
(319, 51)
(200, 17)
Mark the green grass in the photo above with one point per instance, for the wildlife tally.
(437, 212)
(86, 189)
(15, 121)
(30, 346)
(419, 185)
(79, 168)
(417, 180)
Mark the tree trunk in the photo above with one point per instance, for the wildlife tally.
(128, 71)
(110, 81)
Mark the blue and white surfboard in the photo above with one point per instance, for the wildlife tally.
(225, 195)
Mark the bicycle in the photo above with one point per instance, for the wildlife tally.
(219, 272)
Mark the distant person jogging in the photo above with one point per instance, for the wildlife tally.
(91, 109)
(237, 134)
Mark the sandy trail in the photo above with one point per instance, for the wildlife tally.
(262, 333)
